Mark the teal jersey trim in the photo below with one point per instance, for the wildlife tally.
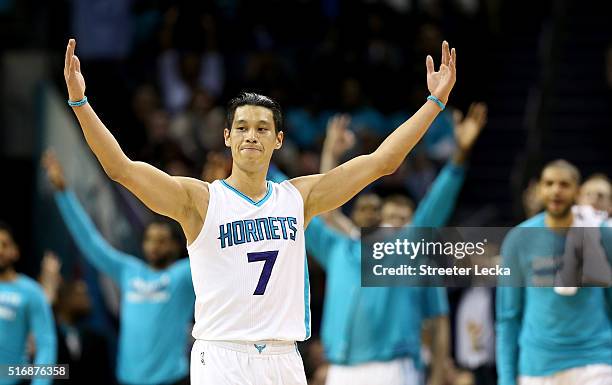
(306, 298)
(259, 203)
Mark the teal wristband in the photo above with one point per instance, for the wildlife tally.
(433, 99)
(78, 103)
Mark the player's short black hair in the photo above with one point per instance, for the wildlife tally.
(399, 200)
(564, 164)
(598, 176)
(255, 99)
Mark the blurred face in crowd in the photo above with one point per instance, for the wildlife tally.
(597, 193)
(253, 137)
(9, 253)
(159, 247)
(366, 212)
(158, 126)
(216, 167)
(558, 190)
(74, 299)
(395, 214)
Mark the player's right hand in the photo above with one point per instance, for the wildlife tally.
(72, 74)
(54, 170)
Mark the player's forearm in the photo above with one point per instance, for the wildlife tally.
(441, 350)
(436, 207)
(507, 353)
(338, 221)
(328, 159)
(393, 150)
(101, 141)
(334, 218)
(85, 234)
(460, 157)
(508, 326)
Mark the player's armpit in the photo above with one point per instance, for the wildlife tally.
(325, 192)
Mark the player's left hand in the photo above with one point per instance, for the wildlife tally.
(441, 82)
(468, 128)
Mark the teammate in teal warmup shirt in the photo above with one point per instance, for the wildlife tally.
(157, 299)
(370, 324)
(541, 333)
(23, 310)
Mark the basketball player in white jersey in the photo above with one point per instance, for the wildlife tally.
(246, 235)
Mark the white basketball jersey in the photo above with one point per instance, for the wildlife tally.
(249, 267)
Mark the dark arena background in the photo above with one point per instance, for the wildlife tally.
(159, 74)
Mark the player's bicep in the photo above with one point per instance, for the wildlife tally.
(325, 192)
(162, 193)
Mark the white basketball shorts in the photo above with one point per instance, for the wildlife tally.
(246, 363)
(400, 371)
(584, 375)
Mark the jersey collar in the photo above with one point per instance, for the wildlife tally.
(243, 196)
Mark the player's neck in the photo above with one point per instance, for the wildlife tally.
(8, 275)
(65, 318)
(251, 184)
(559, 222)
(162, 265)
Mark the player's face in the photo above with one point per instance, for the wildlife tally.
(558, 191)
(158, 245)
(366, 212)
(396, 215)
(252, 137)
(78, 302)
(8, 251)
(596, 193)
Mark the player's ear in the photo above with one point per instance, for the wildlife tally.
(279, 140)
(226, 136)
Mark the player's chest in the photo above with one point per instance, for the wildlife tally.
(12, 306)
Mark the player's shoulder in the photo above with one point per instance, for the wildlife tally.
(286, 184)
(193, 184)
(304, 184)
(535, 221)
(181, 264)
(30, 285)
(521, 232)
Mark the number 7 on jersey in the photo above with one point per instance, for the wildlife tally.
(270, 258)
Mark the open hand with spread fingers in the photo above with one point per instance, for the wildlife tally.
(339, 138)
(54, 170)
(72, 74)
(441, 82)
(468, 129)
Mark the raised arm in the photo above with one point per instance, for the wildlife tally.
(438, 204)
(50, 276)
(42, 327)
(509, 304)
(325, 192)
(338, 140)
(166, 195)
(90, 242)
